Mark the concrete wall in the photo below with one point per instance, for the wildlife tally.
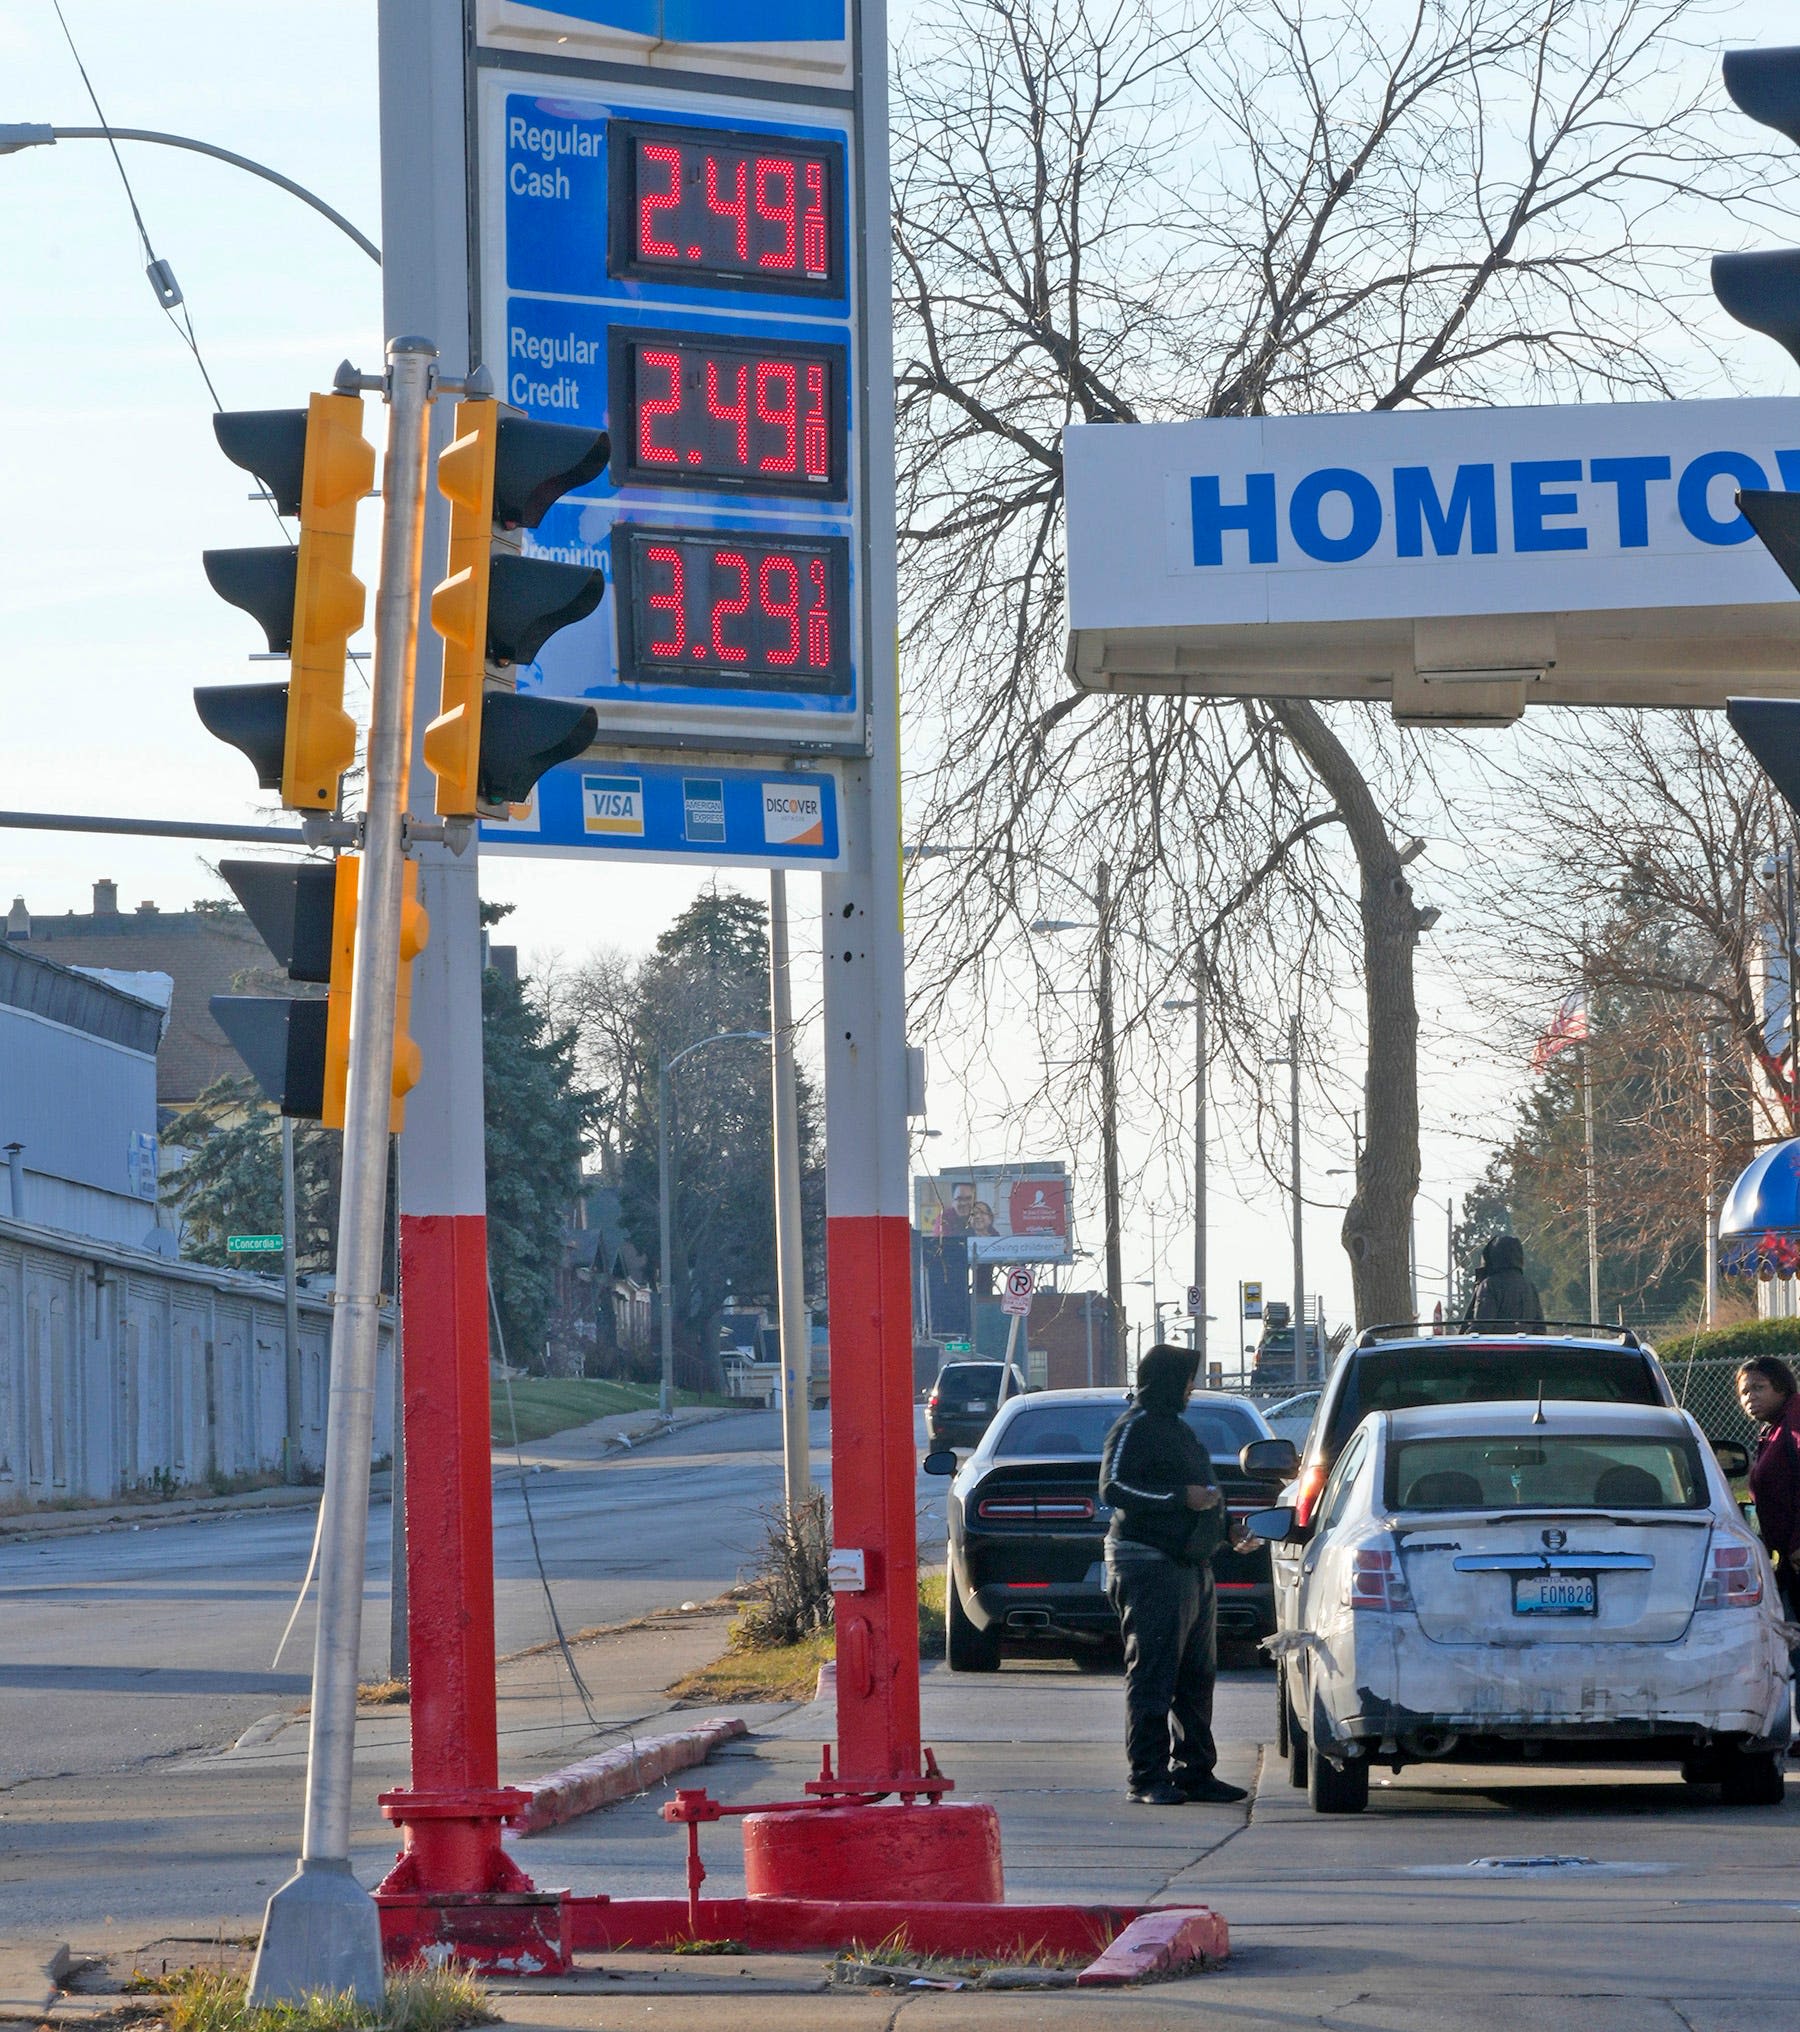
(120, 1371)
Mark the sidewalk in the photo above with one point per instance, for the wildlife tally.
(617, 1433)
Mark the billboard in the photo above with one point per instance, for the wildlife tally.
(1000, 1213)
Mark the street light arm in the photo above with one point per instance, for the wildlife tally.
(718, 1037)
(30, 134)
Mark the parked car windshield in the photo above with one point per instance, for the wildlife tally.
(1078, 1431)
(1396, 1379)
(1544, 1472)
(970, 1379)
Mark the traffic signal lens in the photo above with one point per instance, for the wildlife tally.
(261, 581)
(536, 464)
(253, 718)
(530, 598)
(271, 443)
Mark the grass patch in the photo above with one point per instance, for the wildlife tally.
(777, 1672)
(418, 2000)
(708, 1947)
(545, 1405)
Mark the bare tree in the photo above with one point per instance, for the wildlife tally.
(1109, 212)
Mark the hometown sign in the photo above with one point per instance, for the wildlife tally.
(1595, 551)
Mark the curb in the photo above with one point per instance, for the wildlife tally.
(617, 1774)
(1160, 1944)
(30, 1978)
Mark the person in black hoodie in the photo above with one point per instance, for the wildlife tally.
(1504, 1296)
(1168, 1519)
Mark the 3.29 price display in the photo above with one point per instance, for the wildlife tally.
(757, 416)
(712, 205)
(732, 609)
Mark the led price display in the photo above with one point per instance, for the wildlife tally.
(694, 411)
(731, 608)
(706, 205)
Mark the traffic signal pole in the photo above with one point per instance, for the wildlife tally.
(321, 1931)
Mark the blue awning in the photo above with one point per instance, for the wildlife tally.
(1759, 1224)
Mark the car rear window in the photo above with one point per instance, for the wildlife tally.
(1078, 1431)
(970, 1379)
(1397, 1379)
(1544, 1472)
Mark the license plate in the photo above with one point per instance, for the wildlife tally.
(1556, 1594)
(978, 1404)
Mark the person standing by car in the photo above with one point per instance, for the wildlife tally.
(1168, 1519)
(1504, 1295)
(1769, 1394)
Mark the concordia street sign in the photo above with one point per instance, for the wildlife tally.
(1463, 563)
(253, 1245)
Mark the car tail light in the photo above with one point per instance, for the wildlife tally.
(1733, 1577)
(1035, 1509)
(1312, 1480)
(1376, 1581)
(932, 1400)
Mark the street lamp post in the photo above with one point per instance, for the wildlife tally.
(666, 1397)
(1198, 1005)
(1109, 1118)
(1302, 1360)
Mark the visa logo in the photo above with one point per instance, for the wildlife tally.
(613, 804)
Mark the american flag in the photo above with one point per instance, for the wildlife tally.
(1568, 1026)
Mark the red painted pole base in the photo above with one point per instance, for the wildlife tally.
(945, 1854)
(520, 1933)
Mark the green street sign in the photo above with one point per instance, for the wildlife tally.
(253, 1245)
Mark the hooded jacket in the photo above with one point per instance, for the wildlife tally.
(1775, 1484)
(1504, 1295)
(1150, 1457)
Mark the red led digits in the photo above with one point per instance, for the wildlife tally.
(666, 404)
(818, 618)
(703, 412)
(775, 201)
(736, 207)
(781, 607)
(816, 459)
(737, 603)
(659, 156)
(704, 206)
(741, 612)
(672, 601)
(779, 377)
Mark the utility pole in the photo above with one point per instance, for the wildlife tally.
(1589, 1183)
(1711, 1188)
(1302, 1343)
(290, 1300)
(790, 1252)
(1109, 1123)
(1200, 1151)
(1449, 1262)
(320, 1931)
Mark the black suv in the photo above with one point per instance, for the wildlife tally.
(964, 1399)
(1393, 1368)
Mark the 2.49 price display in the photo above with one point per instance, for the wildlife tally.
(760, 416)
(709, 204)
(732, 609)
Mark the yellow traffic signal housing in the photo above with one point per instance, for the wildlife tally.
(487, 747)
(459, 605)
(328, 603)
(415, 930)
(337, 1006)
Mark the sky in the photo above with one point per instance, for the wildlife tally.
(116, 486)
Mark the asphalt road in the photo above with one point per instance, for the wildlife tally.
(124, 1646)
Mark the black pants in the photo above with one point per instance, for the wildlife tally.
(1168, 1619)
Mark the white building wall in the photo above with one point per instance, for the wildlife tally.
(120, 1371)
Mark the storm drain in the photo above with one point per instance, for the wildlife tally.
(1535, 1863)
(1505, 1868)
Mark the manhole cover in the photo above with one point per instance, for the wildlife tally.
(1535, 1863)
(1499, 1868)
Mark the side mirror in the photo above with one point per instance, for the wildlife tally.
(1733, 1457)
(1274, 1525)
(1270, 1460)
(941, 1462)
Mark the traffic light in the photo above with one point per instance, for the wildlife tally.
(316, 464)
(298, 1050)
(496, 609)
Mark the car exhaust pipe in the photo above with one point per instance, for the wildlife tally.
(1424, 1745)
(1027, 1619)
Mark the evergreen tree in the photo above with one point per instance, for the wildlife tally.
(230, 1183)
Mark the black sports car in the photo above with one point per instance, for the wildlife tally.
(1026, 1527)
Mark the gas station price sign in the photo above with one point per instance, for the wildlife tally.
(705, 205)
(732, 608)
(764, 416)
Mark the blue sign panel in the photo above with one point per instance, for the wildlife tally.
(676, 270)
(724, 21)
(656, 811)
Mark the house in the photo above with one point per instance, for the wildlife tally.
(604, 1292)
